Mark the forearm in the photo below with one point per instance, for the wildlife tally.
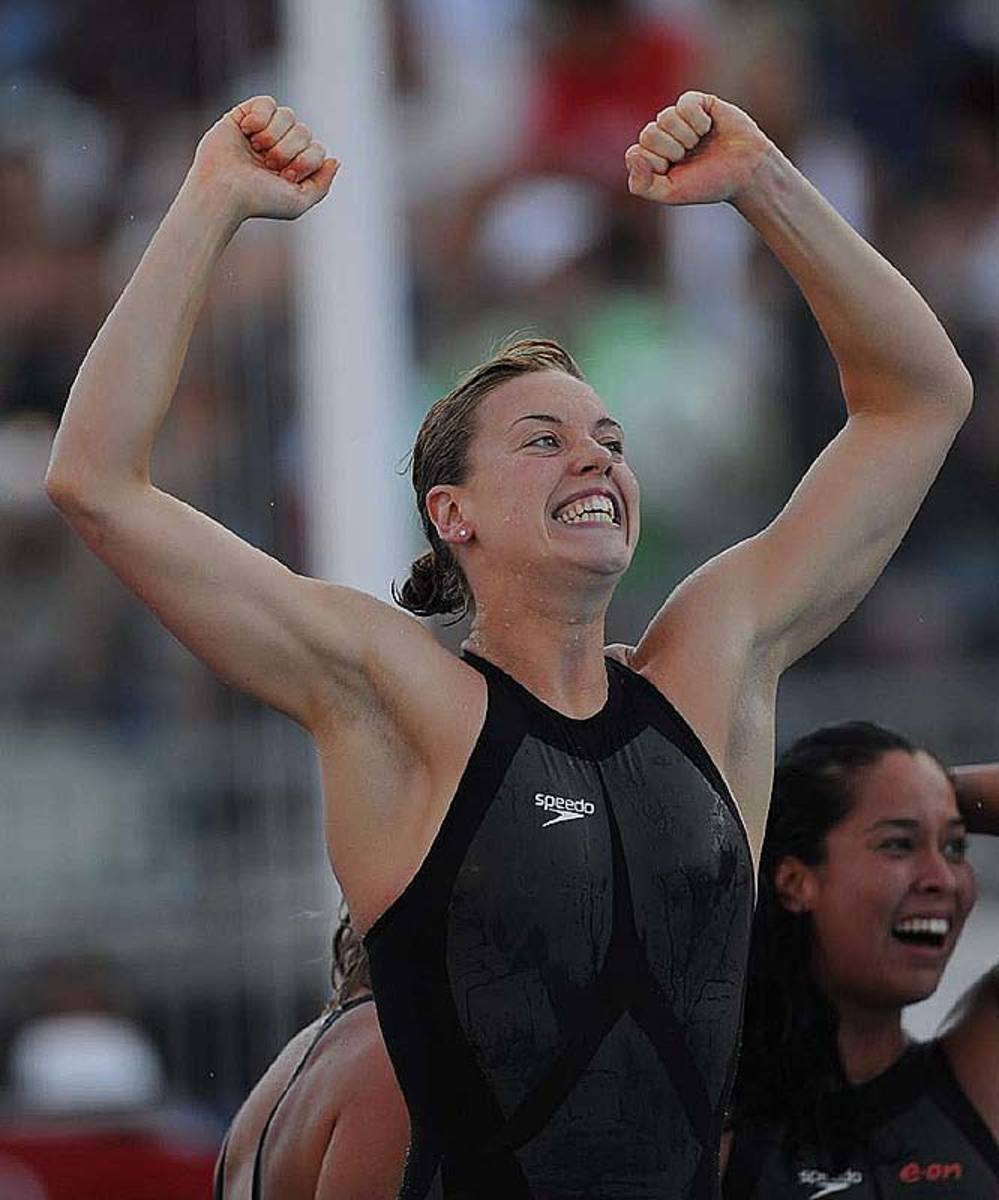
(977, 790)
(892, 352)
(124, 387)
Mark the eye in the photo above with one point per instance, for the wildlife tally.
(547, 441)
(956, 849)
(898, 845)
(615, 445)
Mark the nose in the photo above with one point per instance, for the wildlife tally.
(936, 873)
(592, 458)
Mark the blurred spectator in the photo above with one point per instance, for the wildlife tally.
(603, 69)
(86, 1115)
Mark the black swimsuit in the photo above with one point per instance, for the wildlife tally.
(560, 986)
(328, 1022)
(925, 1142)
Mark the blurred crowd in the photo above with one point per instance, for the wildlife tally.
(512, 117)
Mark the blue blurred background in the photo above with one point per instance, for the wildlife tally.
(161, 859)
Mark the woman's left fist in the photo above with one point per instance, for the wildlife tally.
(698, 151)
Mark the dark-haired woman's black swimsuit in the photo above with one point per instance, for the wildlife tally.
(258, 1159)
(560, 986)
(925, 1142)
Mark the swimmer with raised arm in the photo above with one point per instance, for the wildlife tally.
(548, 844)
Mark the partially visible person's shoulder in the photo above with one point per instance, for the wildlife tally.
(249, 1124)
(970, 1042)
(344, 1078)
(352, 1046)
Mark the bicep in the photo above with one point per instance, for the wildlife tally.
(256, 624)
(807, 571)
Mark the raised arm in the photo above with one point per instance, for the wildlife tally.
(258, 625)
(907, 393)
(977, 788)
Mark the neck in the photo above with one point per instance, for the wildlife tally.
(556, 654)
(869, 1041)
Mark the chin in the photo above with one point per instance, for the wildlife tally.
(913, 991)
(615, 563)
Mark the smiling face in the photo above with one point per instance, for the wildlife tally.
(548, 489)
(888, 902)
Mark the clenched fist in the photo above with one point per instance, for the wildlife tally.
(697, 151)
(264, 161)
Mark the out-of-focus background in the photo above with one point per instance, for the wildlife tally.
(165, 903)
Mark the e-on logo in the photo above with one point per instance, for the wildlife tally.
(564, 808)
(914, 1172)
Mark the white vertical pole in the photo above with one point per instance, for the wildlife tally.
(349, 299)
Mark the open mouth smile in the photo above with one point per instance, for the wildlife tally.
(594, 508)
(927, 932)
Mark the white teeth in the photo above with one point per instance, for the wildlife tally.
(590, 508)
(939, 926)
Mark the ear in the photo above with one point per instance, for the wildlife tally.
(796, 885)
(444, 510)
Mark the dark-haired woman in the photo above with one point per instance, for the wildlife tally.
(864, 890)
(326, 1121)
(539, 838)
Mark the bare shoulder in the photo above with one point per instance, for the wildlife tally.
(364, 1157)
(971, 1041)
(355, 1043)
(247, 1127)
(322, 1140)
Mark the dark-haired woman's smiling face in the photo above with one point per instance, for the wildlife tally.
(890, 900)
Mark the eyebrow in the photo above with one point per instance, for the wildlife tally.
(550, 418)
(907, 823)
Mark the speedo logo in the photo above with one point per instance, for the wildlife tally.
(563, 808)
(828, 1185)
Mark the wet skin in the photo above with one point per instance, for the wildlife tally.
(541, 440)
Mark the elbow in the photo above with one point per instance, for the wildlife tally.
(949, 391)
(59, 486)
(65, 487)
(963, 394)
(77, 494)
(946, 398)
(79, 487)
(953, 385)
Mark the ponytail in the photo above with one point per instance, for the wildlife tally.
(436, 586)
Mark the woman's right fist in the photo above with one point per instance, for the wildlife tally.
(264, 161)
